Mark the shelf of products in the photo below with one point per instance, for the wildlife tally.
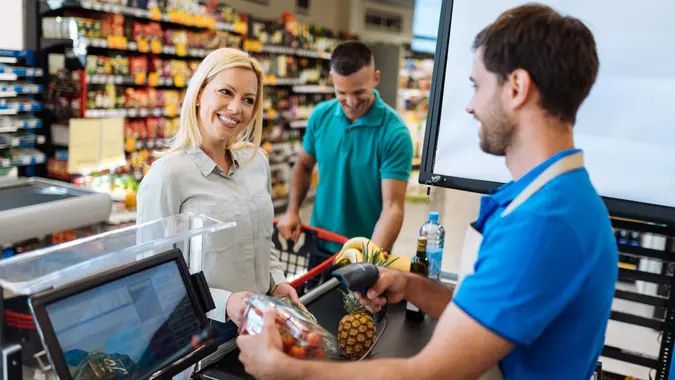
(413, 105)
(19, 103)
(123, 59)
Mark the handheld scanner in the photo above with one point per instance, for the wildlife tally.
(358, 276)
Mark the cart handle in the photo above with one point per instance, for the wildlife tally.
(321, 234)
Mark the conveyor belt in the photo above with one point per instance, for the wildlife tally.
(401, 338)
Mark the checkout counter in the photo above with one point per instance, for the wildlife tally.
(47, 207)
(134, 273)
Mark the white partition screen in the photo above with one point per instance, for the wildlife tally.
(626, 126)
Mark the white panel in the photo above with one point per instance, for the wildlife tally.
(625, 126)
(11, 19)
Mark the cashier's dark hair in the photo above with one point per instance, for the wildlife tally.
(557, 51)
(350, 57)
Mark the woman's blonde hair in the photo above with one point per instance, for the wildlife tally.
(188, 135)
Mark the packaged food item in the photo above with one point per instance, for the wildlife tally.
(301, 335)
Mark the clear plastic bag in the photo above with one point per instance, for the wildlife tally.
(301, 335)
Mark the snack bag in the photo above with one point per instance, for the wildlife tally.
(301, 335)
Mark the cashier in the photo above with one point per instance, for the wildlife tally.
(215, 167)
(535, 297)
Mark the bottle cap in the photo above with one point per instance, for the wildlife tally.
(433, 216)
(421, 243)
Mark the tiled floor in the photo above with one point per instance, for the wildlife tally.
(457, 209)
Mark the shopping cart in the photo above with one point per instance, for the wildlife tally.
(305, 262)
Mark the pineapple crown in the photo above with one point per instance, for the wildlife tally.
(377, 257)
(352, 305)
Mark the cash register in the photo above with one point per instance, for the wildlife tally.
(129, 303)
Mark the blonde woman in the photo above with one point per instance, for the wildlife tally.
(215, 167)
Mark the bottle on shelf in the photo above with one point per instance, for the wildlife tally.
(418, 265)
(435, 234)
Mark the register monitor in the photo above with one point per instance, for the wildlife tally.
(126, 322)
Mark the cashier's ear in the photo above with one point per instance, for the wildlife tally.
(520, 88)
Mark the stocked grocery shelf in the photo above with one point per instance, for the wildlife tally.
(14, 89)
(8, 72)
(12, 108)
(298, 124)
(258, 47)
(13, 124)
(313, 89)
(22, 157)
(123, 44)
(140, 80)
(23, 140)
(413, 92)
(141, 112)
(178, 18)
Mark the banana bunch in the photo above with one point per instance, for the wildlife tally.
(363, 250)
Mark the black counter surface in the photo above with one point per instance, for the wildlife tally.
(401, 338)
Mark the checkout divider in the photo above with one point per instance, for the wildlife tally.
(83, 261)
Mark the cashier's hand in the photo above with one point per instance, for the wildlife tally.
(391, 283)
(286, 290)
(261, 354)
(236, 306)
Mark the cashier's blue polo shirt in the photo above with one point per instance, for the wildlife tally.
(545, 276)
(353, 159)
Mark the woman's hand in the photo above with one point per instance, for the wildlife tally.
(236, 306)
(286, 290)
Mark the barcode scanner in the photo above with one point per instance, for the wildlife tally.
(359, 277)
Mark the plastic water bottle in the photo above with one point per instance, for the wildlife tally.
(435, 234)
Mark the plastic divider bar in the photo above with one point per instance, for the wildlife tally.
(644, 276)
(641, 298)
(630, 357)
(637, 320)
(646, 252)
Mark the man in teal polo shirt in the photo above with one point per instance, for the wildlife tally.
(364, 152)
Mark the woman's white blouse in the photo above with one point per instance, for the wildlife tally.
(236, 259)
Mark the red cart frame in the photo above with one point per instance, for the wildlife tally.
(304, 260)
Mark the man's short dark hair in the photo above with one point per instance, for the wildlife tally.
(557, 51)
(350, 57)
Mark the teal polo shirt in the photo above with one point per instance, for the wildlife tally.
(353, 159)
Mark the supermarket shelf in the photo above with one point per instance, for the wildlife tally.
(15, 107)
(12, 141)
(12, 73)
(144, 112)
(274, 81)
(22, 159)
(313, 89)
(11, 90)
(257, 47)
(124, 45)
(130, 81)
(156, 15)
(13, 124)
(299, 124)
(413, 92)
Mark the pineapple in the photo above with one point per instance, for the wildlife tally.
(357, 330)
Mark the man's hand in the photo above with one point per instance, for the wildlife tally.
(391, 283)
(262, 355)
(236, 306)
(290, 226)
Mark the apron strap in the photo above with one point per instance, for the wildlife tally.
(560, 167)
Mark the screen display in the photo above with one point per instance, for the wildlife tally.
(125, 327)
(30, 195)
(625, 126)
